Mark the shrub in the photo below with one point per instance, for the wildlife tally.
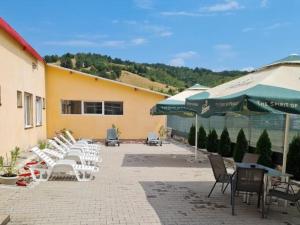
(191, 137)
(225, 144)
(293, 158)
(202, 139)
(264, 149)
(241, 146)
(212, 141)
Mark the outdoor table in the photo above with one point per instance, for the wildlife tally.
(269, 172)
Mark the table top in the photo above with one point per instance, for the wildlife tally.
(269, 171)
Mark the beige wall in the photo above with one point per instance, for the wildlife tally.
(16, 73)
(134, 124)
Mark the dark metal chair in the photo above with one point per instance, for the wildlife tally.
(220, 172)
(286, 193)
(250, 158)
(250, 180)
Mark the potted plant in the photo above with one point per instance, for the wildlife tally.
(8, 169)
(162, 132)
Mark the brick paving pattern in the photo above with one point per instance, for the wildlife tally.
(137, 185)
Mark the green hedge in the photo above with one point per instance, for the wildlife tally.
(225, 144)
(264, 149)
(212, 141)
(293, 158)
(191, 137)
(202, 138)
(241, 146)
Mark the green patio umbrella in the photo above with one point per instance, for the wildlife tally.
(175, 105)
(274, 88)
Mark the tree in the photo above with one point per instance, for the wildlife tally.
(264, 149)
(293, 158)
(241, 146)
(212, 141)
(202, 139)
(191, 137)
(66, 62)
(225, 144)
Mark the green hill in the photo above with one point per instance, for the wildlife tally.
(164, 78)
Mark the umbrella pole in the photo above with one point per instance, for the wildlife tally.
(196, 137)
(286, 142)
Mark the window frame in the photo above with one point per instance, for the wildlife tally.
(38, 111)
(19, 99)
(93, 114)
(28, 124)
(122, 102)
(73, 114)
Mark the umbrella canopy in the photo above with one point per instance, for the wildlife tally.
(274, 88)
(176, 103)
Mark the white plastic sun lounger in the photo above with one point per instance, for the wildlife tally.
(80, 148)
(93, 147)
(72, 139)
(61, 168)
(80, 158)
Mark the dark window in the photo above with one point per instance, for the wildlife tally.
(113, 108)
(93, 107)
(70, 107)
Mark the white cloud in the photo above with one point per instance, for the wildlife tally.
(157, 30)
(180, 13)
(248, 69)
(144, 4)
(276, 26)
(264, 3)
(247, 29)
(224, 52)
(72, 43)
(138, 41)
(113, 43)
(226, 6)
(179, 59)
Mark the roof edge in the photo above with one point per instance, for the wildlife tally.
(18, 38)
(105, 79)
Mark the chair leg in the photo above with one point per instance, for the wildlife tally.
(263, 206)
(258, 202)
(212, 189)
(232, 203)
(222, 187)
(225, 187)
(298, 205)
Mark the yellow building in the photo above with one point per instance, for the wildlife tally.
(89, 105)
(38, 99)
(22, 91)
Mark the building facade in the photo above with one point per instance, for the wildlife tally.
(22, 92)
(38, 99)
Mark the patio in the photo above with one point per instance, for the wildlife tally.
(137, 184)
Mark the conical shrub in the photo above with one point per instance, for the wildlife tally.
(191, 137)
(264, 149)
(241, 146)
(225, 144)
(293, 158)
(212, 141)
(202, 138)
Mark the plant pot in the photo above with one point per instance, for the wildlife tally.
(8, 180)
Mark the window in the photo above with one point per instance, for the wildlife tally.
(28, 109)
(113, 108)
(93, 107)
(19, 99)
(44, 103)
(70, 107)
(38, 110)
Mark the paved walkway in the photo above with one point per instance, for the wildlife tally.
(137, 184)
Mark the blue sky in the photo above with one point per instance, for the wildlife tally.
(214, 34)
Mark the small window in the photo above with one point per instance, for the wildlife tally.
(44, 103)
(19, 99)
(71, 107)
(113, 108)
(39, 110)
(28, 110)
(93, 107)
